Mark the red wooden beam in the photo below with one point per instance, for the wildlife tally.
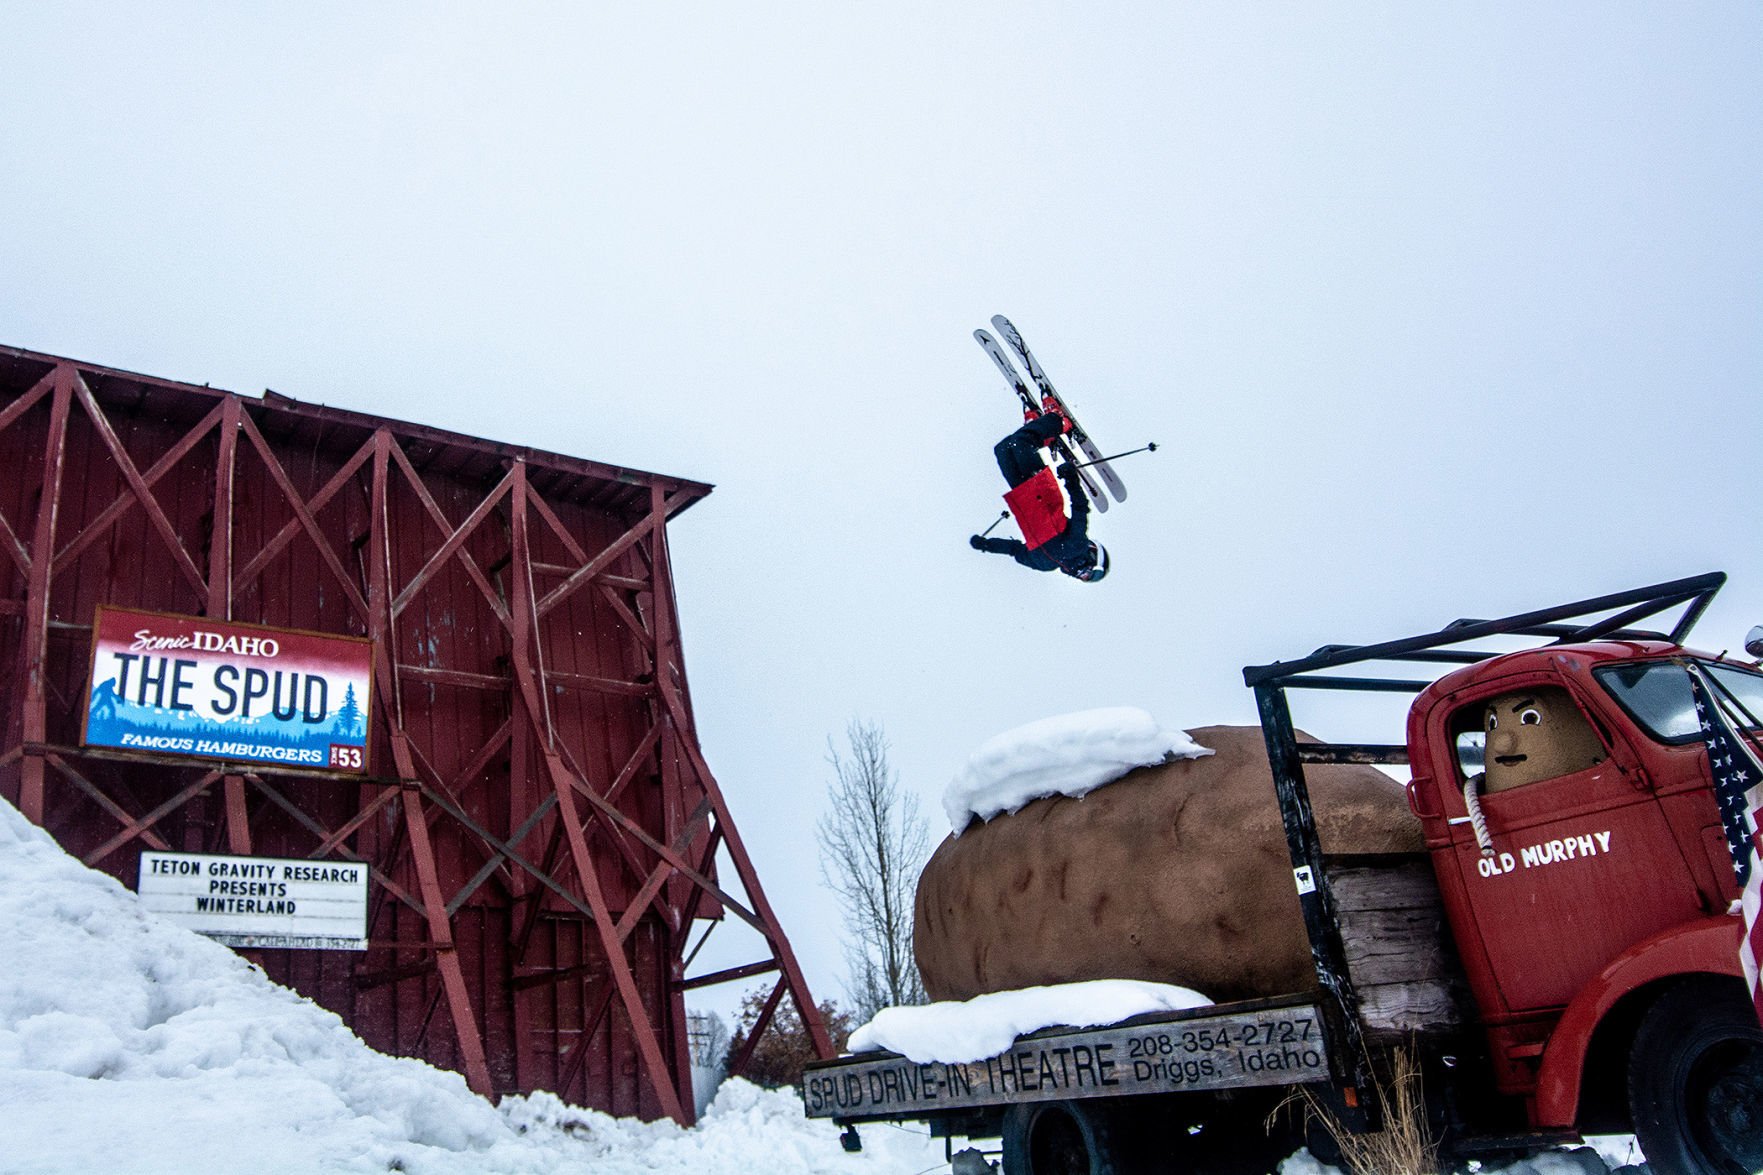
(368, 810)
(99, 526)
(695, 900)
(737, 1064)
(639, 905)
(730, 975)
(467, 1033)
(758, 921)
(786, 957)
(138, 486)
(470, 1038)
(525, 614)
(505, 849)
(594, 566)
(220, 591)
(499, 860)
(491, 596)
(293, 526)
(301, 512)
(238, 817)
(588, 877)
(607, 581)
(579, 1050)
(381, 869)
(132, 826)
(609, 829)
(14, 549)
(35, 639)
(455, 541)
(220, 544)
(26, 402)
(532, 902)
(645, 750)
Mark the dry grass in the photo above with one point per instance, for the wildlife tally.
(1404, 1146)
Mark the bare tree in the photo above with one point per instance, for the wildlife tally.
(873, 842)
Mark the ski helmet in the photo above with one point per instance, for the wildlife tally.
(1099, 566)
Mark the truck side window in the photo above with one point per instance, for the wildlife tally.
(1657, 695)
(1470, 739)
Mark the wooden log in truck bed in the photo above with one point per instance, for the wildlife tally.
(1398, 949)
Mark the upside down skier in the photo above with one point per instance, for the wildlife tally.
(1054, 539)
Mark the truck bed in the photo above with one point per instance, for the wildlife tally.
(1397, 951)
(1254, 1042)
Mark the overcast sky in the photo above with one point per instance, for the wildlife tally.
(1434, 310)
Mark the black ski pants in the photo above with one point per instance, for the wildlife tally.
(1019, 454)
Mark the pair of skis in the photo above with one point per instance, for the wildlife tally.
(1094, 468)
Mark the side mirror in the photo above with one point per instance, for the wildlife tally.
(1754, 641)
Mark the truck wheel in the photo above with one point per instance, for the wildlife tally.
(1695, 1081)
(1058, 1138)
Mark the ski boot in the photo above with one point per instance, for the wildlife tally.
(1050, 406)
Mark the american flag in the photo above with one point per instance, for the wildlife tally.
(1738, 787)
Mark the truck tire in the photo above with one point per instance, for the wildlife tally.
(1058, 1138)
(1695, 1081)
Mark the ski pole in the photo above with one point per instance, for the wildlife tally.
(1149, 448)
(994, 526)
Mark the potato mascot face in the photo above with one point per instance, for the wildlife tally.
(1534, 735)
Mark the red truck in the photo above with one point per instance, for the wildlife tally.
(1562, 960)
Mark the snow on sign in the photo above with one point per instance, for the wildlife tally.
(259, 901)
(212, 689)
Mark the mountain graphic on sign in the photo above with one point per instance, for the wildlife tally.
(110, 717)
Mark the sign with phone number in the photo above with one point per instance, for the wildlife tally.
(1273, 1046)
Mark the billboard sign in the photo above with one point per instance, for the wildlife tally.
(259, 901)
(214, 689)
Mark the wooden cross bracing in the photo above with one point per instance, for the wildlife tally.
(585, 798)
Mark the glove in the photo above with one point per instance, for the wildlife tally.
(977, 543)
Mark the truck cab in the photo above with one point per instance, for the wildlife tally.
(1583, 868)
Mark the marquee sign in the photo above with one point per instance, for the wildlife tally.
(259, 901)
(212, 689)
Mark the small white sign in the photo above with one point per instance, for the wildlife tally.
(1306, 882)
(260, 901)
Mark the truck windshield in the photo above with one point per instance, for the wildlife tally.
(1656, 695)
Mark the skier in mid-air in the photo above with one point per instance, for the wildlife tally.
(1055, 535)
(1056, 539)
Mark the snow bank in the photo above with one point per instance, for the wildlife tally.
(1071, 754)
(957, 1031)
(131, 1044)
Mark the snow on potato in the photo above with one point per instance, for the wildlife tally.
(1175, 873)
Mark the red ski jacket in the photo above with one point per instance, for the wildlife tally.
(1039, 508)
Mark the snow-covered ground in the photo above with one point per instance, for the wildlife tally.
(131, 1046)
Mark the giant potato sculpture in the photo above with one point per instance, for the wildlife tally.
(1176, 873)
